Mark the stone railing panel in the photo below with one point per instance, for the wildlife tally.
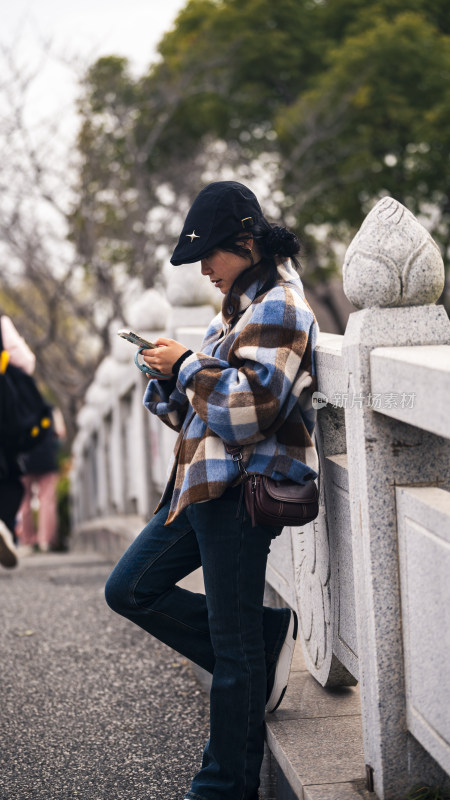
(345, 644)
(280, 567)
(384, 453)
(391, 262)
(313, 589)
(160, 442)
(322, 551)
(412, 384)
(424, 555)
(328, 356)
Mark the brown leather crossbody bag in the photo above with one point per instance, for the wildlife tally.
(279, 503)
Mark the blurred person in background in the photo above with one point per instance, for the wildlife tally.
(40, 478)
(11, 488)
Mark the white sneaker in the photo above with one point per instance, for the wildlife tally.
(283, 667)
(8, 554)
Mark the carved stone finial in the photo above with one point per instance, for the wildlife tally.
(392, 260)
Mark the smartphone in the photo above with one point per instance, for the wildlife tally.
(134, 338)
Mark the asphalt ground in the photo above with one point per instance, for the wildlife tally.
(91, 706)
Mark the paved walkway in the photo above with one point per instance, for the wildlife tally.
(91, 706)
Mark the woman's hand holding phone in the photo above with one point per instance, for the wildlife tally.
(164, 355)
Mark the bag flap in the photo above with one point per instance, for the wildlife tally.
(290, 492)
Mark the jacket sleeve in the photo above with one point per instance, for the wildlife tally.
(164, 400)
(247, 398)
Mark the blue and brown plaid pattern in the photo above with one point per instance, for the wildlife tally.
(251, 386)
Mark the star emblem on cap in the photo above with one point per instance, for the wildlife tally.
(192, 236)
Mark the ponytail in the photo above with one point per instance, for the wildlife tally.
(279, 241)
(272, 241)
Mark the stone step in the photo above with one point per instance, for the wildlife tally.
(110, 536)
(314, 737)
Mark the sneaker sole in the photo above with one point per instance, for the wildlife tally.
(283, 667)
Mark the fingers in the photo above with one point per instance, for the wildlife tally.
(164, 356)
(157, 358)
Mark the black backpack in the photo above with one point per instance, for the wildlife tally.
(25, 417)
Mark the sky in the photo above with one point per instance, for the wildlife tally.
(81, 31)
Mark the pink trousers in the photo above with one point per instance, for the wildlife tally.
(45, 535)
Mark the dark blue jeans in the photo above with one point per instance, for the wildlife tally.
(227, 632)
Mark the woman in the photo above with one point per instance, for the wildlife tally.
(250, 386)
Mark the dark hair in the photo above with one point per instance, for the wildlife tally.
(271, 241)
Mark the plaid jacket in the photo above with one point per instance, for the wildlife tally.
(250, 386)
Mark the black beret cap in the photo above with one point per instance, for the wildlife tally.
(221, 210)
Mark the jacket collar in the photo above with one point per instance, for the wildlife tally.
(244, 290)
(250, 282)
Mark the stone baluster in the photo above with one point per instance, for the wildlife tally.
(394, 273)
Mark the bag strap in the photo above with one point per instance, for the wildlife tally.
(236, 454)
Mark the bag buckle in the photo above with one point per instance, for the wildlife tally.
(237, 458)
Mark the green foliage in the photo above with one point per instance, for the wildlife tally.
(246, 59)
(353, 96)
(369, 124)
(107, 217)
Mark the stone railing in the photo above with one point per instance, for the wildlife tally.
(370, 576)
(121, 451)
